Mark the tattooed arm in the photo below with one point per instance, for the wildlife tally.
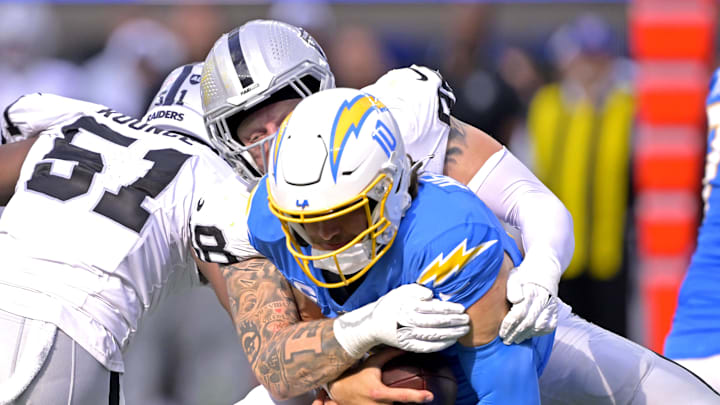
(288, 356)
(468, 148)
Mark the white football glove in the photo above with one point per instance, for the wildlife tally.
(407, 318)
(534, 311)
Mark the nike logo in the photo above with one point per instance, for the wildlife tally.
(422, 76)
(201, 202)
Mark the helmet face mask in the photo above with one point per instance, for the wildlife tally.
(339, 155)
(255, 65)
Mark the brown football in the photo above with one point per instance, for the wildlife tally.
(422, 371)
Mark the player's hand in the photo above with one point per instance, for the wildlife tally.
(407, 318)
(363, 386)
(533, 313)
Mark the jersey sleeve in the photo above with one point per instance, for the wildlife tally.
(460, 264)
(421, 103)
(36, 112)
(218, 225)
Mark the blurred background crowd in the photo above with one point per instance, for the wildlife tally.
(551, 80)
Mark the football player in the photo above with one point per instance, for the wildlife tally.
(96, 234)
(588, 364)
(356, 222)
(254, 72)
(694, 339)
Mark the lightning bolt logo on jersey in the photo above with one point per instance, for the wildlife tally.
(445, 266)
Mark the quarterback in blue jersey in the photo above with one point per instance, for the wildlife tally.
(694, 340)
(348, 222)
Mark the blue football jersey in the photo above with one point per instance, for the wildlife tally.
(696, 327)
(448, 241)
(456, 252)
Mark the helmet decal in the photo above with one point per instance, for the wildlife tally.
(278, 141)
(349, 120)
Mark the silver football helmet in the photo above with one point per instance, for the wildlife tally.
(252, 66)
(177, 106)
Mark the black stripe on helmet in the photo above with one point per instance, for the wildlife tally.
(170, 96)
(238, 59)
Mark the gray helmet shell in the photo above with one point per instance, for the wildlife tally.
(256, 64)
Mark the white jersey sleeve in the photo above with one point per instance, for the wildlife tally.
(36, 112)
(218, 225)
(421, 102)
(97, 232)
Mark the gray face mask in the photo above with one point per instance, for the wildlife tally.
(350, 261)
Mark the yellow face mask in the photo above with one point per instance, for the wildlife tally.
(292, 222)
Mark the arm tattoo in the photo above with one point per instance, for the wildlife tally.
(288, 356)
(457, 141)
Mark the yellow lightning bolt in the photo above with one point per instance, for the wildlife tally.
(440, 269)
(350, 117)
(349, 120)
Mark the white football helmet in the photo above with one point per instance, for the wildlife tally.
(177, 105)
(339, 151)
(254, 65)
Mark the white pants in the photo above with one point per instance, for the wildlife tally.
(707, 368)
(590, 365)
(39, 364)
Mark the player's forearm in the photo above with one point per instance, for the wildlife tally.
(288, 356)
(300, 358)
(515, 195)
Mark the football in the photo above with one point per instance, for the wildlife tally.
(422, 371)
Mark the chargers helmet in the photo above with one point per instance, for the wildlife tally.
(254, 65)
(339, 151)
(177, 105)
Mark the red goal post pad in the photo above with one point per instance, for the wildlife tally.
(673, 29)
(668, 158)
(666, 222)
(672, 93)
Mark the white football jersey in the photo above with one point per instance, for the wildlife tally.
(98, 229)
(420, 101)
(219, 225)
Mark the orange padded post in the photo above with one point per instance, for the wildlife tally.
(666, 223)
(673, 29)
(672, 93)
(660, 279)
(668, 158)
